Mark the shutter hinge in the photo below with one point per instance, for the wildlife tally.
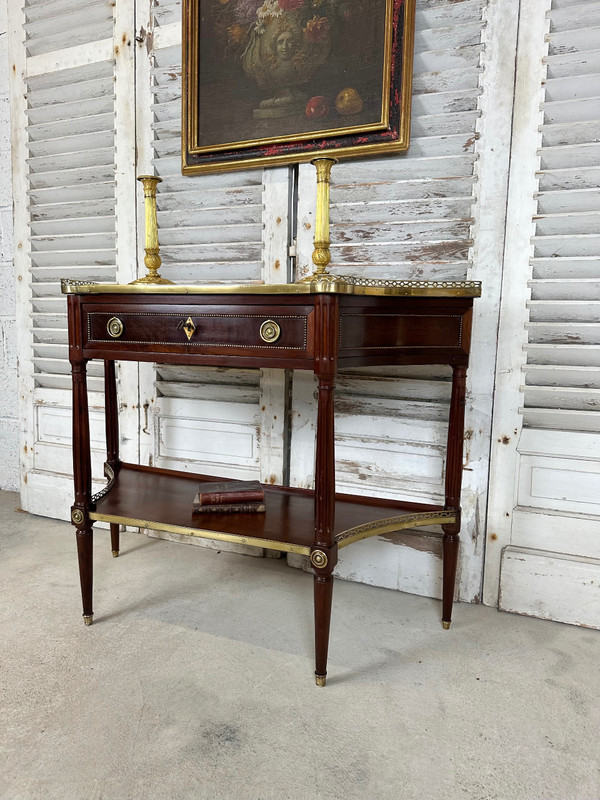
(292, 249)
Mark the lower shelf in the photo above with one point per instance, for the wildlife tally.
(160, 499)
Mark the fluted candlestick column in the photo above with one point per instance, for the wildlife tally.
(152, 259)
(321, 254)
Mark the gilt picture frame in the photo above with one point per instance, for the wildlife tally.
(271, 82)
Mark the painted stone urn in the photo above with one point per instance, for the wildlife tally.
(283, 50)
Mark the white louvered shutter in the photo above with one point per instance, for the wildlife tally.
(414, 216)
(547, 519)
(562, 373)
(64, 115)
(211, 228)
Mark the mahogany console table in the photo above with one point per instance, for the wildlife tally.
(319, 326)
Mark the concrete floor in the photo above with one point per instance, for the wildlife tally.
(196, 681)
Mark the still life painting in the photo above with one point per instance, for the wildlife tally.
(273, 81)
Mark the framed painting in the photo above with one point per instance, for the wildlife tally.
(269, 82)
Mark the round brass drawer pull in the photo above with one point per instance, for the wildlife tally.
(318, 559)
(115, 328)
(270, 331)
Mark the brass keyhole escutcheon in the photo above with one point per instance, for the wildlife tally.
(189, 328)
(270, 331)
(115, 327)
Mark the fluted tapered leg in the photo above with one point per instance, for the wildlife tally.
(82, 476)
(450, 556)
(324, 551)
(85, 542)
(454, 466)
(114, 538)
(323, 596)
(111, 418)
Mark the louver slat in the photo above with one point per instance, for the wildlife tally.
(57, 25)
(37, 10)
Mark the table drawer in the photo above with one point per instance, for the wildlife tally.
(392, 331)
(256, 329)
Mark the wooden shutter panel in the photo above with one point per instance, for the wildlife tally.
(212, 228)
(544, 558)
(66, 152)
(411, 217)
(71, 202)
(562, 373)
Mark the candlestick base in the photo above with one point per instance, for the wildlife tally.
(152, 280)
(324, 282)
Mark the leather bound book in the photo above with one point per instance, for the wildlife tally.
(221, 492)
(230, 508)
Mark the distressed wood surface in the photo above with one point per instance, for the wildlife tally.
(76, 84)
(130, 409)
(551, 586)
(415, 216)
(223, 210)
(507, 422)
(211, 228)
(551, 465)
(68, 165)
(59, 25)
(566, 245)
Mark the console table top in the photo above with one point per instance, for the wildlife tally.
(327, 285)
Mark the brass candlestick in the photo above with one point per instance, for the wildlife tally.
(152, 259)
(321, 256)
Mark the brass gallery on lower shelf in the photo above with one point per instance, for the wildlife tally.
(393, 524)
(234, 538)
(344, 538)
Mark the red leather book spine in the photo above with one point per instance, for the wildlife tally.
(230, 508)
(218, 498)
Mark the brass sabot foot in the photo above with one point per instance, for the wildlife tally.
(445, 625)
(320, 680)
(88, 619)
(115, 553)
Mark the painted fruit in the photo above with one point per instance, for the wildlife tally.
(317, 107)
(348, 101)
